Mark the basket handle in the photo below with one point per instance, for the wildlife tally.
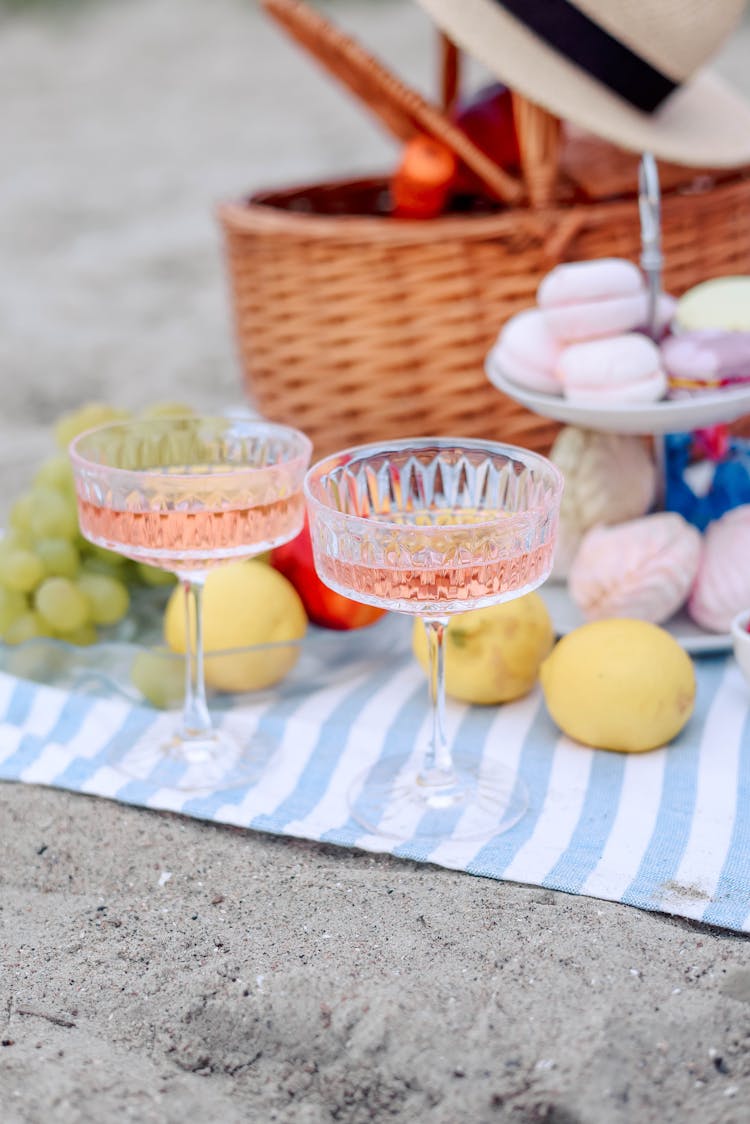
(539, 132)
(401, 109)
(449, 76)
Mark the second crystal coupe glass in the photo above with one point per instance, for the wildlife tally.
(433, 527)
(189, 494)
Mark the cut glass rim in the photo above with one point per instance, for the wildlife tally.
(513, 452)
(82, 463)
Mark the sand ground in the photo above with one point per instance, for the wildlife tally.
(268, 979)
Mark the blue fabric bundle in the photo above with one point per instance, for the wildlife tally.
(729, 485)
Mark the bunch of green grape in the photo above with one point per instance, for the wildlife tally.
(52, 581)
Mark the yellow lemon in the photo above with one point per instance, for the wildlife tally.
(244, 604)
(492, 655)
(619, 684)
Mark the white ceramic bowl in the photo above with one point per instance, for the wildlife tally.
(741, 642)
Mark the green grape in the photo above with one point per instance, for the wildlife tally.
(82, 637)
(53, 515)
(27, 626)
(153, 575)
(62, 605)
(56, 472)
(160, 677)
(20, 569)
(60, 558)
(99, 566)
(89, 416)
(20, 513)
(12, 606)
(128, 573)
(168, 410)
(108, 599)
(14, 540)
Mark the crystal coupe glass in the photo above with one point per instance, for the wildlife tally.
(186, 495)
(433, 527)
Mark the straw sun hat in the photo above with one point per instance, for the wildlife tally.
(626, 70)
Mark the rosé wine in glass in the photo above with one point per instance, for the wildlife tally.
(195, 537)
(408, 589)
(186, 495)
(433, 527)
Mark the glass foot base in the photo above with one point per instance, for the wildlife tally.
(194, 765)
(397, 806)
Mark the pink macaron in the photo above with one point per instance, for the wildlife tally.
(590, 299)
(706, 359)
(528, 354)
(623, 368)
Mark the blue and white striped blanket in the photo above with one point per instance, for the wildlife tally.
(667, 830)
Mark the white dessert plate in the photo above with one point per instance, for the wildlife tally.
(566, 616)
(680, 415)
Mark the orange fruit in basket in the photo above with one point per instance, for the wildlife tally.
(421, 185)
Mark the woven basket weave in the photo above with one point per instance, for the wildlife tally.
(355, 326)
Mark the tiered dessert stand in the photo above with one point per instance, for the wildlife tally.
(655, 419)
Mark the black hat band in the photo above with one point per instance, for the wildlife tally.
(573, 34)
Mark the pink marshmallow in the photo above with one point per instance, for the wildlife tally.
(624, 368)
(523, 374)
(650, 389)
(586, 281)
(588, 320)
(528, 354)
(643, 568)
(722, 587)
(589, 299)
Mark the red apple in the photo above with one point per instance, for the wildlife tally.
(322, 605)
(487, 119)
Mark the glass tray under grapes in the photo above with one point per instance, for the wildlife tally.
(324, 657)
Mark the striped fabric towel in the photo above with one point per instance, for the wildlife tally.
(667, 830)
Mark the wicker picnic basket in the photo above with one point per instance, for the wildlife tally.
(356, 326)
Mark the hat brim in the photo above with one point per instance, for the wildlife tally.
(703, 123)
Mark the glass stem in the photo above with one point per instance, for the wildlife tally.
(196, 719)
(437, 769)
